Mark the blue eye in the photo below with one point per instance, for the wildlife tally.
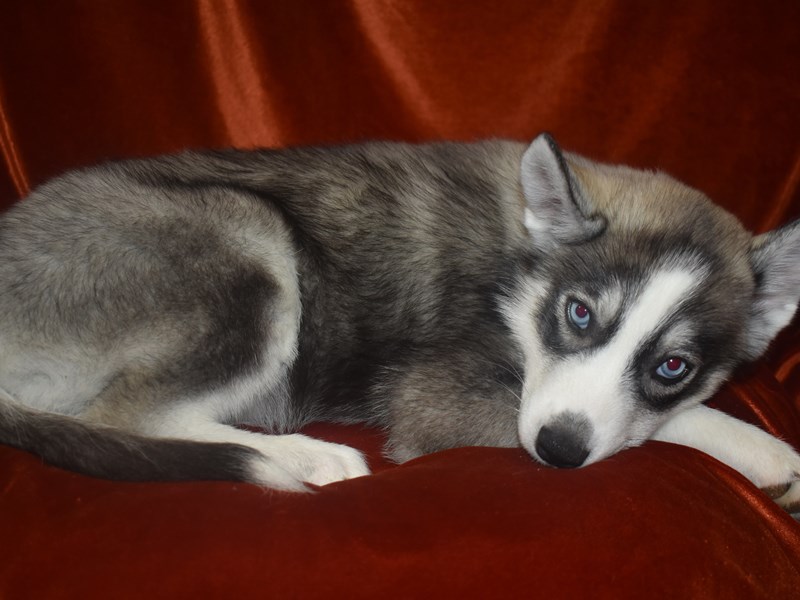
(579, 314)
(672, 369)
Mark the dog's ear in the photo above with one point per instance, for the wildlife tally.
(775, 259)
(557, 212)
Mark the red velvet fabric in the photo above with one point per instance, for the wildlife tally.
(707, 90)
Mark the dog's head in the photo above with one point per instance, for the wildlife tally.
(640, 298)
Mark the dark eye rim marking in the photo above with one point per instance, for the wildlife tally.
(671, 374)
(579, 315)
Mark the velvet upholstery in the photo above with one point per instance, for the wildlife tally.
(706, 90)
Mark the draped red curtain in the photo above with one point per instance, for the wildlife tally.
(707, 90)
(704, 89)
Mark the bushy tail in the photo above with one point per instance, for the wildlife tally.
(111, 453)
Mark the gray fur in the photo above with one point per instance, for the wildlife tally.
(163, 297)
(560, 212)
(775, 257)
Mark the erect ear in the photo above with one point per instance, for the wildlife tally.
(775, 258)
(557, 210)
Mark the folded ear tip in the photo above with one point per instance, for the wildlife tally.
(545, 138)
(542, 148)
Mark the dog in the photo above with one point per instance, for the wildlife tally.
(492, 293)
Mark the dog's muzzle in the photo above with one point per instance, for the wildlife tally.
(564, 442)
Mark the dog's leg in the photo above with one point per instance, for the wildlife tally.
(449, 401)
(773, 465)
(286, 462)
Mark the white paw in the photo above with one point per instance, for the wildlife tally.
(292, 461)
(778, 474)
(775, 464)
(787, 497)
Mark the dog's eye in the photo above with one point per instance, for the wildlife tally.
(579, 315)
(672, 370)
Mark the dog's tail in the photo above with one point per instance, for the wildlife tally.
(111, 453)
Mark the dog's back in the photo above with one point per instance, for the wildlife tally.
(135, 289)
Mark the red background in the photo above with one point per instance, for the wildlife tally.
(706, 90)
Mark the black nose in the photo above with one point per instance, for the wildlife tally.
(561, 446)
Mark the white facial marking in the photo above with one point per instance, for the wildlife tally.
(592, 384)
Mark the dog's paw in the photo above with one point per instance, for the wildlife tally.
(778, 475)
(290, 462)
(787, 496)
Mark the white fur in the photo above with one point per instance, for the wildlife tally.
(762, 458)
(51, 381)
(531, 224)
(518, 312)
(592, 385)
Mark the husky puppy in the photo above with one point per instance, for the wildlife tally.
(493, 293)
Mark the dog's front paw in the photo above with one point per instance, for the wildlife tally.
(787, 496)
(778, 475)
(289, 462)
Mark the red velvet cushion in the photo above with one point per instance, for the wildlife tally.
(660, 520)
(705, 90)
